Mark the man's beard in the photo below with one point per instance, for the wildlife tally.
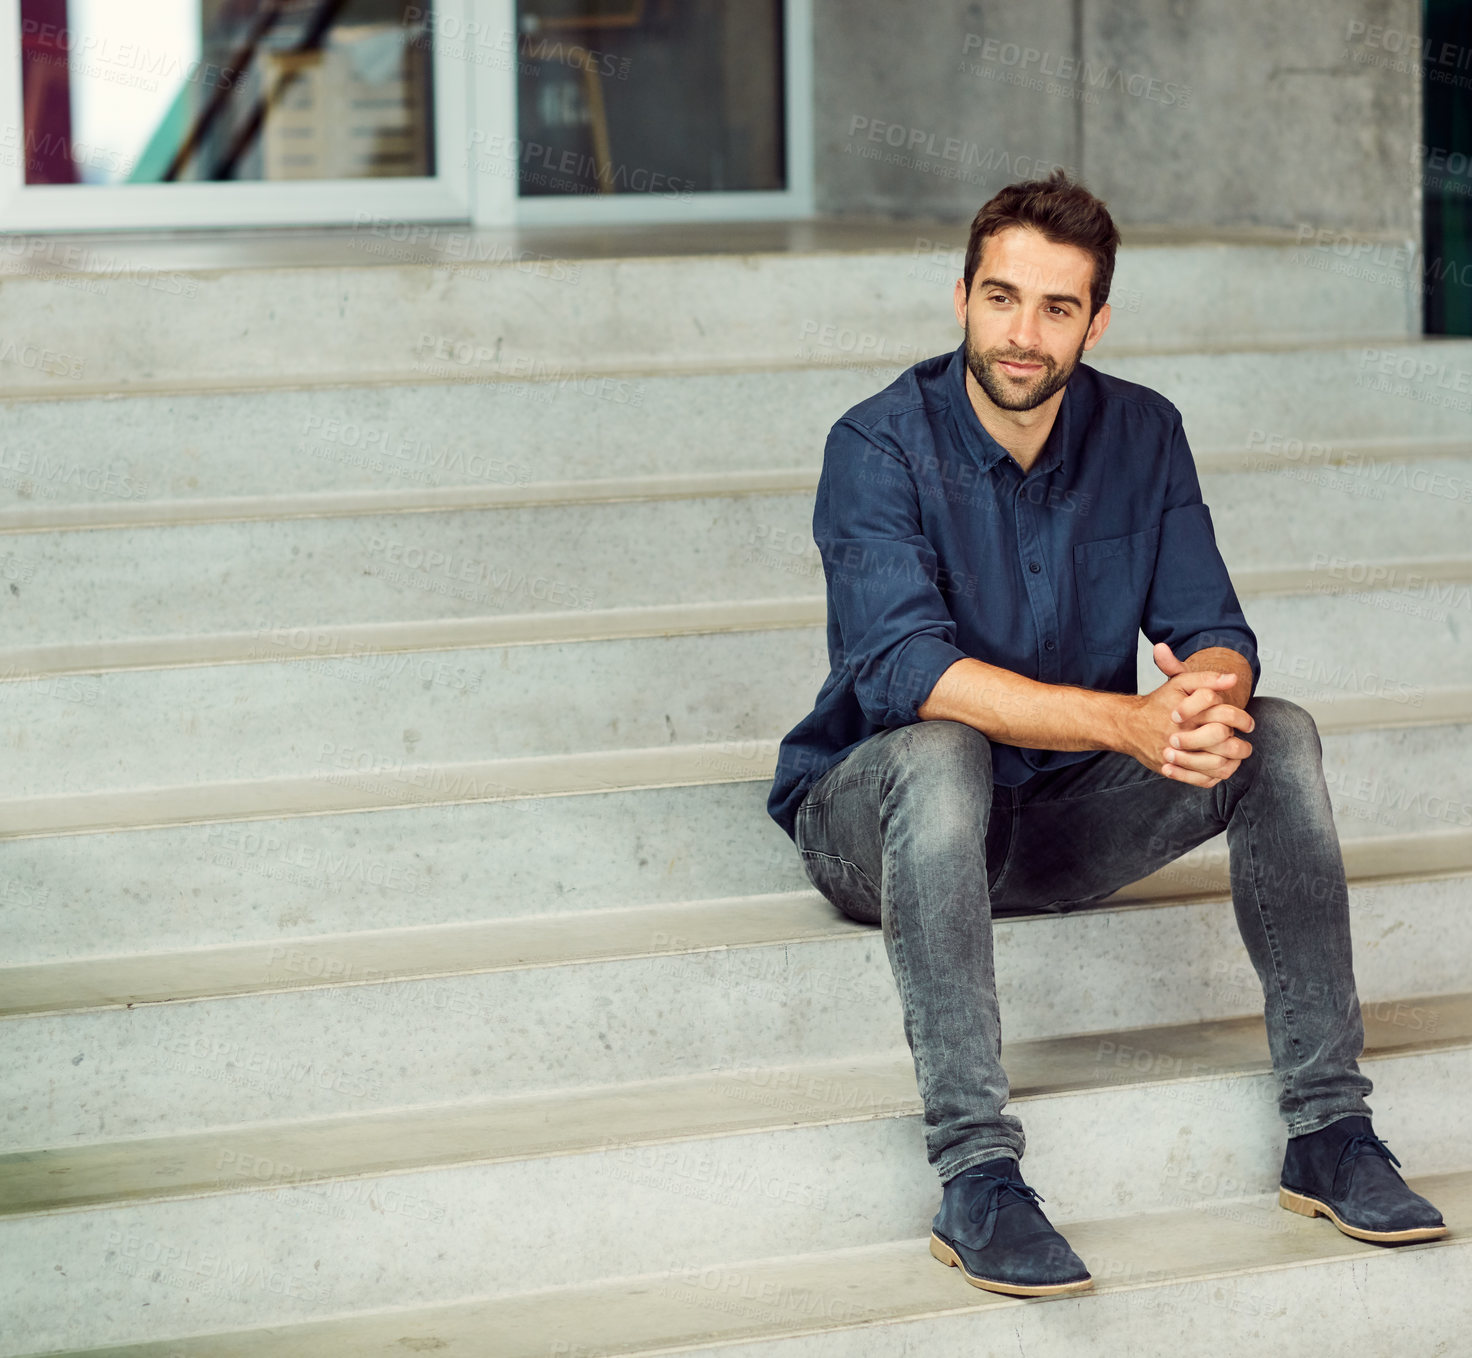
(1011, 395)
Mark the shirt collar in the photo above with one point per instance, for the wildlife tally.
(981, 445)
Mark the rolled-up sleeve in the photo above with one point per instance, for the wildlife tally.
(1192, 604)
(896, 634)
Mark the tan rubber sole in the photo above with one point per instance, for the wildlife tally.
(948, 1256)
(1312, 1207)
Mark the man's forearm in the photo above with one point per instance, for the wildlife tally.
(1014, 710)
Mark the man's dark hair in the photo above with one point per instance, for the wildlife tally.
(1059, 210)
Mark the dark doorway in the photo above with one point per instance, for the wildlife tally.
(1446, 165)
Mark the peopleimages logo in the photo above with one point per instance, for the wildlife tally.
(1038, 68)
(40, 359)
(920, 144)
(1450, 55)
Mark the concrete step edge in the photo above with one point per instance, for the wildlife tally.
(761, 360)
(45, 518)
(385, 788)
(453, 247)
(722, 1102)
(1331, 453)
(321, 641)
(1192, 1257)
(1426, 583)
(395, 376)
(391, 956)
(1349, 575)
(394, 955)
(455, 498)
(1368, 859)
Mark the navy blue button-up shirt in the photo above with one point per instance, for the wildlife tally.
(936, 546)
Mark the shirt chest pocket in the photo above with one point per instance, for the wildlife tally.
(1113, 578)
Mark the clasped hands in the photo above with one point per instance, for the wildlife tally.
(1184, 731)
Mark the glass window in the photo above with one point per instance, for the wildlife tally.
(157, 91)
(667, 97)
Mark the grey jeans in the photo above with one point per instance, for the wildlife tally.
(909, 832)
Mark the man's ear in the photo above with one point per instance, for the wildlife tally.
(1097, 327)
(960, 297)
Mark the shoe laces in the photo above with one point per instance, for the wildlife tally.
(1366, 1143)
(998, 1185)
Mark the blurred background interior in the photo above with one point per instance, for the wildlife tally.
(172, 90)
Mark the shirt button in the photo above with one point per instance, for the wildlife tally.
(1033, 567)
(1047, 645)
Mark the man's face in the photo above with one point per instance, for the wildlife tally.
(1027, 318)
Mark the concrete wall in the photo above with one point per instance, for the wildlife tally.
(1194, 113)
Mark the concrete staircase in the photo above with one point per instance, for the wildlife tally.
(398, 955)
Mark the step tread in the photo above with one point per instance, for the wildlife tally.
(895, 1282)
(352, 503)
(412, 609)
(776, 1299)
(575, 320)
(435, 783)
(1293, 665)
(715, 1103)
(183, 508)
(406, 785)
(101, 253)
(386, 956)
(315, 642)
(1309, 579)
(935, 339)
(298, 450)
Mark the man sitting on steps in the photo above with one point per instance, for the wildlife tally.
(997, 526)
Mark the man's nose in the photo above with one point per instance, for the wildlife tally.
(1024, 333)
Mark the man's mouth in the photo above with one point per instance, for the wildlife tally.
(1017, 368)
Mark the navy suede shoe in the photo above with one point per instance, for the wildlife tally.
(991, 1227)
(1343, 1171)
